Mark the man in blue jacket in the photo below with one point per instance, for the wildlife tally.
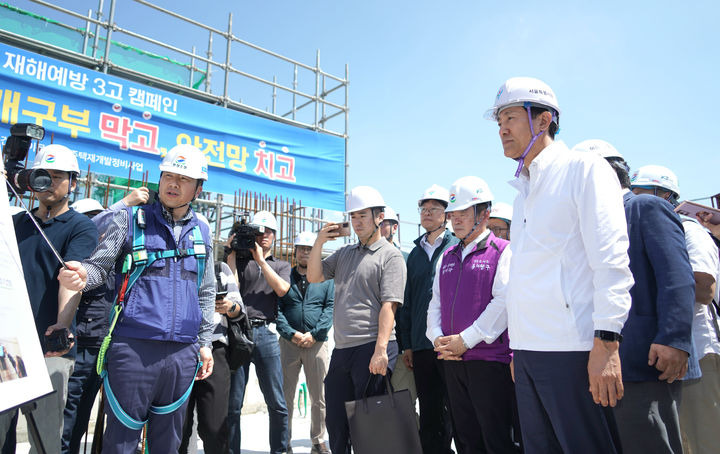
(162, 339)
(304, 319)
(657, 335)
(418, 354)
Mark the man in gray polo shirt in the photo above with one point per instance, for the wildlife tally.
(369, 285)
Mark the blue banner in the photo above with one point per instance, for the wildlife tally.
(115, 125)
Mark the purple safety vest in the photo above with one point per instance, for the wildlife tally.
(465, 292)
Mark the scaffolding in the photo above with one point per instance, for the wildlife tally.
(312, 98)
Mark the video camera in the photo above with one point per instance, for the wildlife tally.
(15, 151)
(244, 239)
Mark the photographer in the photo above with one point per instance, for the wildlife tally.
(75, 237)
(262, 279)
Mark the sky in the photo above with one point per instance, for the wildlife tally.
(641, 75)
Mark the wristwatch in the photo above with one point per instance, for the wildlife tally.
(233, 307)
(608, 336)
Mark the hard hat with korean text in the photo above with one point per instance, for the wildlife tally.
(185, 160)
(468, 191)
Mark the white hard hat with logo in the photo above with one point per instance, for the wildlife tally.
(305, 238)
(435, 192)
(185, 160)
(391, 215)
(85, 206)
(599, 147)
(56, 157)
(652, 176)
(501, 210)
(265, 219)
(362, 197)
(523, 91)
(468, 191)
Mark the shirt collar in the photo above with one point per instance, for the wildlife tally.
(59, 218)
(373, 247)
(168, 217)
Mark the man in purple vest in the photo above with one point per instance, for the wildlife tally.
(468, 280)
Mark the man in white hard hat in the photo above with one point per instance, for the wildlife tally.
(75, 237)
(304, 319)
(468, 289)
(568, 297)
(657, 334)
(500, 220)
(418, 354)
(263, 281)
(161, 342)
(369, 285)
(700, 409)
(389, 226)
(93, 322)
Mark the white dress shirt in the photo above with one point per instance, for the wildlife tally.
(493, 320)
(704, 259)
(569, 273)
(430, 248)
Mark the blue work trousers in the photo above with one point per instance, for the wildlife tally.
(144, 373)
(557, 411)
(83, 387)
(347, 377)
(268, 367)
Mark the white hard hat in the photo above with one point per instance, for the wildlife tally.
(501, 210)
(391, 215)
(85, 206)
(185, 160)
(265, 219)
(56, 157)
(468, 191)
(305, 239)
(655, 176)
(435, 192)
(599, 147)
(518, 91)
(362, 197)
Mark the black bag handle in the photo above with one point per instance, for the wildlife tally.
(388, 390)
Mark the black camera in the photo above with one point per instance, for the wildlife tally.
(244, 239)
(15, 151)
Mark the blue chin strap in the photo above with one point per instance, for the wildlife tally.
(521, 159)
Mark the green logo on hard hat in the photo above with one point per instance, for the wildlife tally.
(180, 162)
(50, 158)
(452, 198)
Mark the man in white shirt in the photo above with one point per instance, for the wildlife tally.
(700, 409)
(568, 294)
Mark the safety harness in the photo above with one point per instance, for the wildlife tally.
(134, 265)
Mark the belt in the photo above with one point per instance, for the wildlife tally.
(255, 322)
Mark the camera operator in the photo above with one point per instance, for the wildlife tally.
(75, 237)
(262, 281)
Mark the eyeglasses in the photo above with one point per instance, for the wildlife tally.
(433, 211)
(498, 230)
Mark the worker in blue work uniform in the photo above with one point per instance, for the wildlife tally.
(92, 326)
(161, 336)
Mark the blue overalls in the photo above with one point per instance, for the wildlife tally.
(153, 357)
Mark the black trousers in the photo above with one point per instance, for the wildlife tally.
(436, 427)
(346, 379)
(557, 412)
(481, 400)
(210, 397)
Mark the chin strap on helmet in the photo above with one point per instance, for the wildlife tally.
(521, 159)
